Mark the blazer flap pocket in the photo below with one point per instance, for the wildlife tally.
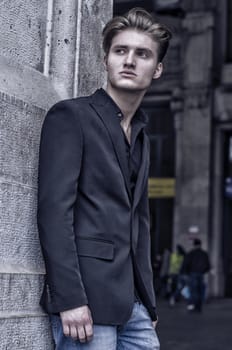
(95, 248)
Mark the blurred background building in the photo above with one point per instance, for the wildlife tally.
(50, 50)
(190, 130)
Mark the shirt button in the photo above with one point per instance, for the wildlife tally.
(119, 114)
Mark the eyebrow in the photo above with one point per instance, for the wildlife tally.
(136, 48)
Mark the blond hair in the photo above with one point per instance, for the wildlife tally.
(138, 19)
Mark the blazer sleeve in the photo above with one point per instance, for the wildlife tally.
(143, 253)
(60, 158)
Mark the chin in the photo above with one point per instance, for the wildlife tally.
(128, 87)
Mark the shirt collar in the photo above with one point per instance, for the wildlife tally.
(139, 116)
(107, 99)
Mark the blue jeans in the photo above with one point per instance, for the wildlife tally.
(137, 334)
(197, 290)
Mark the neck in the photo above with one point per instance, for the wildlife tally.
(128, 102)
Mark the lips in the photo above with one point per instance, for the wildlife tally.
(128, 73)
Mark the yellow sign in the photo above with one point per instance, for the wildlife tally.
(161, 187)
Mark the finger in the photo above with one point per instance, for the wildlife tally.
(90, 317)
(154, 323)
(66, 330)
(81, 334)
(73, 332)
(89, 331)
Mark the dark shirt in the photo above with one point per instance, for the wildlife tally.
(134, 148)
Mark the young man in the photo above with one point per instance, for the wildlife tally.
(93, 213)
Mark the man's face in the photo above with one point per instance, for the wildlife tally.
(132, 61)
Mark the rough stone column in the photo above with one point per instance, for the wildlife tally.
(76, 62)
(177, 111)
(35, 72)
(192, 197)
(63, 45)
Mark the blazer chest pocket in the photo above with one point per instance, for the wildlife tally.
(94, 248)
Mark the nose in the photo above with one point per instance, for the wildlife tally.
(130, 59)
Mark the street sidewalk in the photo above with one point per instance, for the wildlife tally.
(180, 330)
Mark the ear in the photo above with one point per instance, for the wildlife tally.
(158, 70)
(105, 62)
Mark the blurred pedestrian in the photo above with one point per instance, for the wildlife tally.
(174, 280)
(164, 272)
(196, 264)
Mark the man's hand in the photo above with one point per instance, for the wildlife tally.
(154, 323)
(77, 323)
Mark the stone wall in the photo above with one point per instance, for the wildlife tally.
(49, 50)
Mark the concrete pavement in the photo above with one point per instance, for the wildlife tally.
(181, 330)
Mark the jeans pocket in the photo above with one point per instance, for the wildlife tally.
(144, 310)
(152, 337)
(56, 326)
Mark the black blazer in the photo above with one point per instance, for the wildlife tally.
(95, 239)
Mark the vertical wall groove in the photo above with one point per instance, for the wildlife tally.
(48, 40)
(77, 51)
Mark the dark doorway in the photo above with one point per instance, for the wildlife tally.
(162, 166)
(227, 215)
(122, 6)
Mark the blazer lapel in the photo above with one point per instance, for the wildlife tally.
(104, 110)
(143, 171)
